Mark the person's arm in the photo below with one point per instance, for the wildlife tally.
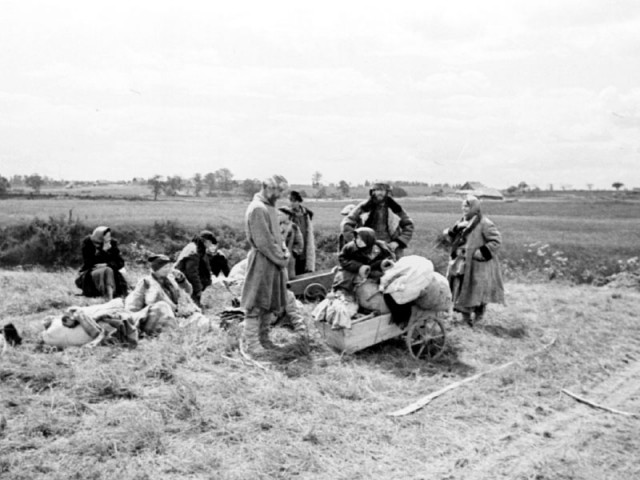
(406, 228)
(135, 300)
(116, 262)
(351, 222)
(298, 242)
(347, 259)
(492, 241)
(262, 238)
(191, 265)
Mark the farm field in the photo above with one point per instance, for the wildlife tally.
(186, 405)
(593, 235)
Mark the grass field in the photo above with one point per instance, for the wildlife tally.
(593, 235)
(186, 405)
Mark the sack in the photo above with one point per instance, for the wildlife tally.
(370, 297)
(436, 296)
(406, 278)
(456, 266)
(337, 310)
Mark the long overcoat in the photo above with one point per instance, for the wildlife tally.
(482, 279)
(265, 284)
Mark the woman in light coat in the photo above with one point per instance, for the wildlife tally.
(474, 272)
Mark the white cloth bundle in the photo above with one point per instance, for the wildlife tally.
(406, 278)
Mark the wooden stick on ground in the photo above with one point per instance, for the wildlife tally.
(595, 405)
(418, 404)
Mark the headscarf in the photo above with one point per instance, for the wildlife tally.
(474, 206)
(98, 234)
(368, 236)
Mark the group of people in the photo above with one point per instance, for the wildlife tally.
(282, 246)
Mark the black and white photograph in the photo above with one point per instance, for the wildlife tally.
(320, 240)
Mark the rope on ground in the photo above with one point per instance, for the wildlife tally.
(418, 404)
(596, 405)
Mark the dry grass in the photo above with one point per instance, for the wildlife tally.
(186, 405)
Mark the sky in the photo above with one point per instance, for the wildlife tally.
(545, 92)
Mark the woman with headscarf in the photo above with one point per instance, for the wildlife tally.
(363, 256)
(154, 301)
(193, 262)
(474, 271)
(100, 274)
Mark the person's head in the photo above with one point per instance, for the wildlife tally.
(284, 220)
(101, 235)
(347, 209)
(470, 206)
(209, 241)
(295, 199)
(160, 265)
(364, 237)
(379, 191)
(274, 187)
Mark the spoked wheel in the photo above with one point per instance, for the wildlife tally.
(314, 292)
(426, 338)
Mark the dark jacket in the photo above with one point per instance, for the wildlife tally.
(194, 263)
(92, 255)
(352, 257)
(387, 218)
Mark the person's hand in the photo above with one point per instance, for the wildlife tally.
(477, 255)
(178, 275)
(393, 246)
(445, 232)
(106, 246)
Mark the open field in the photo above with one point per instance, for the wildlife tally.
(592, 234)
(185, 405)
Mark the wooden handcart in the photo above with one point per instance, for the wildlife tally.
(313, 286)
(424, 335)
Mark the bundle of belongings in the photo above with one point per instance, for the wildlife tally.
(112, 324)
(409, 281)
(412, 279)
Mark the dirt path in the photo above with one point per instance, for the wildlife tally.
(570, 436)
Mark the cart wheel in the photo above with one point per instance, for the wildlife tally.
(426, 339)
(314, 292)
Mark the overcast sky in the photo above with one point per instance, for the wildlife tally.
(544, 91)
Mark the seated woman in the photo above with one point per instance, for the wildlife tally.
(100, 272)
(292, 237)
(193, 262)
(156, 296)
(361, 259)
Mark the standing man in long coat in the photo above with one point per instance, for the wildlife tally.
(265, 286)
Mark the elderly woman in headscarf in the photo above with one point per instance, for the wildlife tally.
(193, 262)
(155, 299)
(361, 258)
(474, 271)
(100, 274)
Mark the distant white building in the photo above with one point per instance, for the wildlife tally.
(479, 190)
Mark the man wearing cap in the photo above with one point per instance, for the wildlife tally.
(265, 288)
(302, 217)
(385, 216)
(193, 262)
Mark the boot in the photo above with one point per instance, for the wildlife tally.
(264, 328)
(466, 318)
(480, 313)
(251, 337)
